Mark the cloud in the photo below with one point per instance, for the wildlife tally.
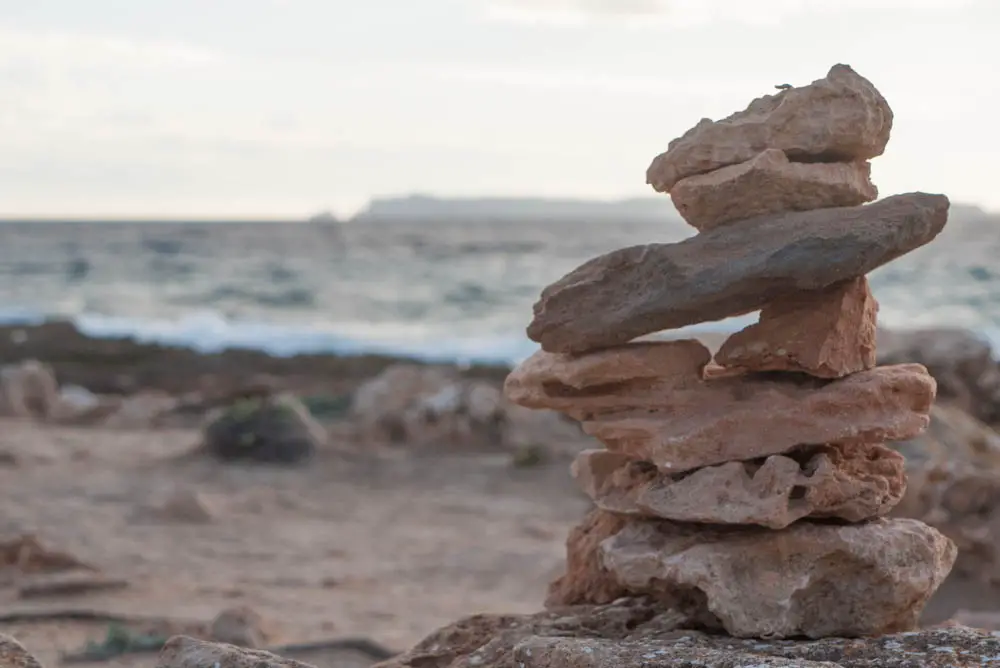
(687, 13)
(77, 50)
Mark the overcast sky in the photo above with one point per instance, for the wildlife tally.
(288, 107)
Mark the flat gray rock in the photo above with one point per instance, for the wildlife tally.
(733, 270)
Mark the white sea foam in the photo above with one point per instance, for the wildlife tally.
(210, 332)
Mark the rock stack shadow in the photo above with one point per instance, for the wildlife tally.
(750, 490)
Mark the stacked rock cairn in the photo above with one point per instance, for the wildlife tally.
(750, 491)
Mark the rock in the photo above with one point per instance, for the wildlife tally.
(432, 405)
(68, 584)
(977, 619)
(678, 360)
(14, 655)
(586, 580)
(186, 652)
(27, 555)
(728, 271)
(634, 634)
(270, 429)
(852, 483)
(686, 421)
(142, 410)
(28, 390)
(806, 580)
(962, 363)
(79, 406)
(240, 626)
(954, 474)
(829, 334)
(182, 506)
(840, 118)
(770, 183)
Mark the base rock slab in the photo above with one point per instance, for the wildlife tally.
(813, 580)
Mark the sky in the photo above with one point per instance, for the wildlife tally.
(284, 108)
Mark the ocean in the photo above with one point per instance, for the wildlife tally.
(455, 291)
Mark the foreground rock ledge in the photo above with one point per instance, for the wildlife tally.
(841, 117)
(728, 271)
(852, 483)
(770, 183)
(633, 633)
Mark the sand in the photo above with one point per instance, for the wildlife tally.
(387, 544)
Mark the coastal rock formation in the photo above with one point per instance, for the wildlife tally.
(728, 271)
(635, 632)
(770, 183)
(747, 496)
(841, 117)
(852, 483)
(14, 655)
(828, 334)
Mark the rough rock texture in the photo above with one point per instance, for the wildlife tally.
(632, 633)
(839, 118)
(813, 580)
(14, 655)
(954, 485)
(186, 652)
(828, 333)
(586, 580)
(852, 483)
(731, 270)
(684, 421)
(276, 429)
(770, 183)
(962, 363)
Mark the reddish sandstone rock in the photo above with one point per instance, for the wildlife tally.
(770, 183)
(841, 117)
(813, 580)
(538, 381)
(852, 483)
(828, 334)
(684, 420)
(586, 580)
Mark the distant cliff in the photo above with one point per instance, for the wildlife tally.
(420, 207)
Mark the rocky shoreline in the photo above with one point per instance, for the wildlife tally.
(125, 366)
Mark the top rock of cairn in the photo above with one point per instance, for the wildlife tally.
(750, 493)
(776, 191)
